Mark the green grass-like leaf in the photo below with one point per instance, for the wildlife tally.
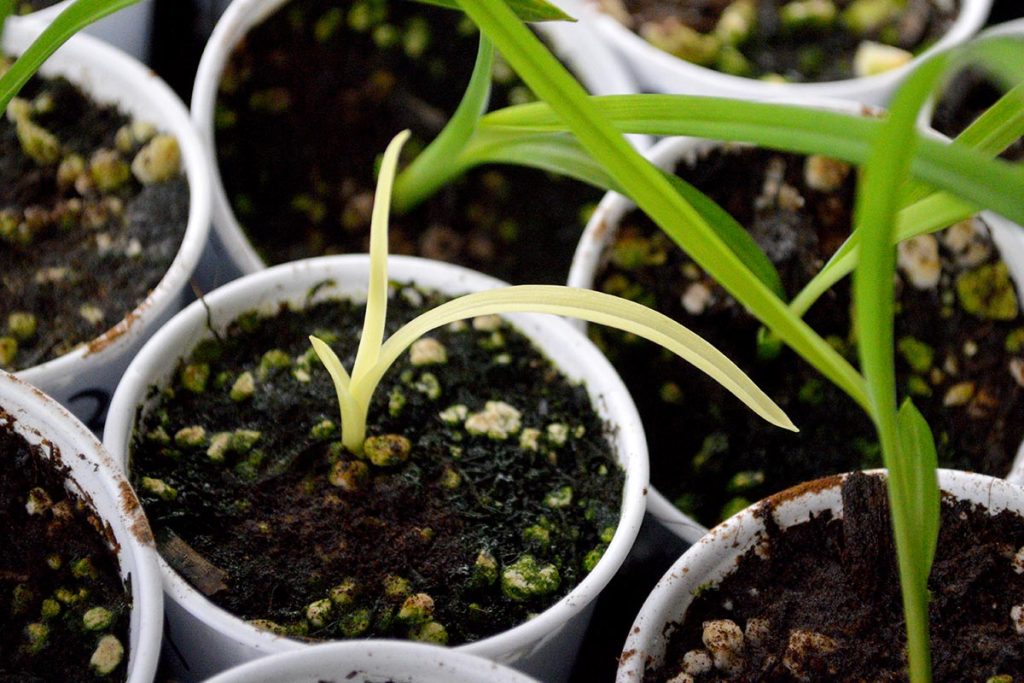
(435, 166)
(877, 202)
(69, 22)
(959, 170)
(651, 191)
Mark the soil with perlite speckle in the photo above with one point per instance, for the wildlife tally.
(453, 537)
(821, 601)
(61, 592)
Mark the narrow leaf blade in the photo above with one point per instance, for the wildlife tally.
(69, 22)
(377, 294)
(918, 448)
(732, 233)
(595, 307)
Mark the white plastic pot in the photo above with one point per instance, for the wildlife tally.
(601, 231)
(660, 71)
(84, 379)
(715, 555)
(210, 639)
(1009, 29)
(129, 29)
(371, 661)
(96, 479)
(231, 254)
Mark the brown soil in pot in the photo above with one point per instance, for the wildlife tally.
(313, 94)
(252, 519)
(966, 98)
(28, 6)
(61, 594)
(804, 41)
(820, 600)
(87, 229)
(958, 329)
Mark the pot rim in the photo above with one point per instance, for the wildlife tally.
(85, 61)
(604, 76)
(715, 555)
(291, 281)
(97, 480)
(391, 658)
(604, 223)
(660, 70)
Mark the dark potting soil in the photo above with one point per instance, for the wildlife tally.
(966, 98)
(774, 40)
(61, 593)
(27, 6)
(959, 333)
(82, 238)
(492, 528)
(821, 600)
(311, 98)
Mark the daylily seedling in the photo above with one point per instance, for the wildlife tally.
(375, 356)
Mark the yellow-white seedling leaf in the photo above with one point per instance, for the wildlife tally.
(353, 418)
(377, 291)
(595, 307)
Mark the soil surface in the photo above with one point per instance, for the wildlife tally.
(371, 69)
(966, 98)
(60, 589)
(827, 594)
(82, 239)
(764, 41)
(959, 355)
(492, 527)
(27, 6)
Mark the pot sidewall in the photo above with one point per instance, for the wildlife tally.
(225, 637)
(85, 378)
(659, 71)
(374, 660)
(716, 555)
(95, 478)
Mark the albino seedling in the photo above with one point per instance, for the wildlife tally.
(375, 356)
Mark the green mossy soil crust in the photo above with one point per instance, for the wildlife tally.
(93, 208)
(966, 98)
(64, 608)
(463, 535)
(310, 98)
(799, 41)
(959, 333)
(820, 601)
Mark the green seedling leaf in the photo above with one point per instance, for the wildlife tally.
(917, 445)
(437, 164)
(732, 233)
(552, 152)
(650, 190)
(908, 447)
(69, 22)
(6, 10)
(960, 170)
(530, 11)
